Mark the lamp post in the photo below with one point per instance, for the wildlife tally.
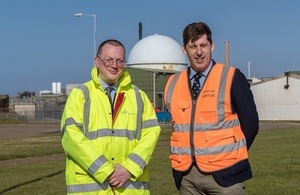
(94, 16)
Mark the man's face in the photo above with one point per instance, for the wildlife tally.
(199, 53)
(110, 63)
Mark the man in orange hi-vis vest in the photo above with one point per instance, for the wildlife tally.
(214, 120)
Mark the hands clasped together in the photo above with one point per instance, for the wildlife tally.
(119, 177)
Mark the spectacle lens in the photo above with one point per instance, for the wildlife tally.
(109, 62)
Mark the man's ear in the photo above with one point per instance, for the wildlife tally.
(212, 47)
(183, 50)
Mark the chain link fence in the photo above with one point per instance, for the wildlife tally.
(35, 109)
(40, 115)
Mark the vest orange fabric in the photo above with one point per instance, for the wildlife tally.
(205, 131)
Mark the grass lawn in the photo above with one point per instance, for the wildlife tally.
(35, 165)
(275, 160)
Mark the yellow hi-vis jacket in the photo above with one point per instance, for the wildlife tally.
(205, 131)
(94, 139)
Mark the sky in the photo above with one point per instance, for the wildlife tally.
(41, 41)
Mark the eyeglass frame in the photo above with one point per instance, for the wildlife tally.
(110, 62)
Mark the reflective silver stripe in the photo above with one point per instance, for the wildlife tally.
(181, 150)
(70, 121)
(109, 132)
(170, 91)
(138, 185)
(211, 150)
(82, 188)
(140, 109)
(87, 105)
(207, 127)
(217, 126)
(119, 132)
(221, 149)
(150, 123)
(97, 164)
(138, 160)
(221, 96)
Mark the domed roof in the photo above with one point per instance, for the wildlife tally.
(157, 53)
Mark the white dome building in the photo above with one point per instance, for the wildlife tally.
(157, 53)
(151, 61)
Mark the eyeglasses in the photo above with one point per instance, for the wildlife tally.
(109, 62)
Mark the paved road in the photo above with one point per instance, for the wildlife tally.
(24, 130)
(278, 124)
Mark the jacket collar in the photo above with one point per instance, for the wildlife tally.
(124, 80)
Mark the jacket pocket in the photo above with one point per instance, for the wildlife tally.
(175, 149)
(208, 117)
(180, 110)
(82, 176)
(221, 146)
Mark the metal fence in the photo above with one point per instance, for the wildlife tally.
(41, 115)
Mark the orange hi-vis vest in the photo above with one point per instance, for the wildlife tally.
(205, 131)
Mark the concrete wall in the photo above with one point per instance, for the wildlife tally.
(27, 110)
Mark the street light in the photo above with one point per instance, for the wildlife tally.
(94, 16)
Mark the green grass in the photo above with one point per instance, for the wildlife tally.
(9, 121)
(274, 158)
(30, 147)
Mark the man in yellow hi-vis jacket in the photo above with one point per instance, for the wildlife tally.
(109, 130)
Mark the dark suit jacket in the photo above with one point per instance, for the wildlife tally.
(243, 104)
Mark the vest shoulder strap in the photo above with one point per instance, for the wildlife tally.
(140, 110)
(170, 90)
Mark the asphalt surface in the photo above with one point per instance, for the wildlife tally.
(27, 130)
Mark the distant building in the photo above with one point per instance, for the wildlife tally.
(45, 92)
(69, 88)
(56, 87)
(25, 94)
(277, 98)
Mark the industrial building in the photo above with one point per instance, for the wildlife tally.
(277, 98)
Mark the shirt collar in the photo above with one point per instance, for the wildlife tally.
(204, 73)
(105, 85)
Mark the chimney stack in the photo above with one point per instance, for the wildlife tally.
(140, 31)
(227, 63)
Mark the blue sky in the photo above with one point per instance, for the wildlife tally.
(43, 42)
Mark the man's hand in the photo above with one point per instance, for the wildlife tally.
(119, 176)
